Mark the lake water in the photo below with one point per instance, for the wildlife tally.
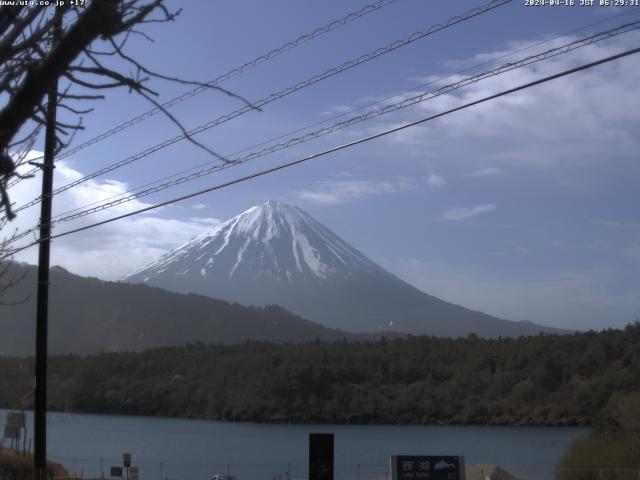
(179, 449)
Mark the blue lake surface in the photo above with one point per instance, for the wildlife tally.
(180, 449)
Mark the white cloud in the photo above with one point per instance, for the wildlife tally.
(198, 206)
(211, 221)
(487, 172)
(345, 189)
(337, 191)
(436, 181)
(513, 49)
(107, 251)
(337, 109)
(586, 117)
(462, 213)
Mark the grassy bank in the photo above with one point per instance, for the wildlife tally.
(18, 467)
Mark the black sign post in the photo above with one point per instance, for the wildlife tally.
(42, 292)
(427, 467)
(321, 456)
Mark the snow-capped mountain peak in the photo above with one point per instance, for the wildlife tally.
(275, 253)
(270, 240)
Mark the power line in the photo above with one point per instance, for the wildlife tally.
(335, 117)
(282, 93)
(223, 77)
(405, 103)
(334, 149)
(130, 193)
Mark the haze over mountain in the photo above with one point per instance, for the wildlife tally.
(278, 254)
(87, 315)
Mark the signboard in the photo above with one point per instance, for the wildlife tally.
(116, 471)
(126, 459)
(427, 467)
(12, 433)
(15, 420)
(135, 473)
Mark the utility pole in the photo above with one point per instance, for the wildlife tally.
(40, 413)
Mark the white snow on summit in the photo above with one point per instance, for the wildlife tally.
(273, 239)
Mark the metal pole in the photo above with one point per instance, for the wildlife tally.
(40, 413)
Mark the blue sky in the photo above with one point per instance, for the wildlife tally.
(525, 207)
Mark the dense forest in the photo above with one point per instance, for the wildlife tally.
(539, 380)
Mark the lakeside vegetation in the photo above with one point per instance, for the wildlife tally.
(539, 380)
(14, 466)
(612, 450)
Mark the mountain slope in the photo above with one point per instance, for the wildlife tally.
(88, 315)
(276, 253)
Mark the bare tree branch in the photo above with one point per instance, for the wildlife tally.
(29, 65)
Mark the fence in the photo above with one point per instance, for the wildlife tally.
(100, 468)
(604, 473)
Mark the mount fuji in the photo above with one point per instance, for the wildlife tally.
(278, 254)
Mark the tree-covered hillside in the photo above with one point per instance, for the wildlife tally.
(546, 379)
(87, 315)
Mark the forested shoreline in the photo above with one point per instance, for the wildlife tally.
(538, 380)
